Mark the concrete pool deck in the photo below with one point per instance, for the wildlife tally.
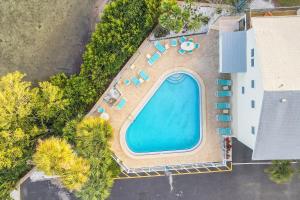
(203, 62)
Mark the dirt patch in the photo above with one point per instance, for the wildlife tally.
(42, 38)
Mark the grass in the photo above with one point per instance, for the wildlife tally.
(42, 38)
(288, 2)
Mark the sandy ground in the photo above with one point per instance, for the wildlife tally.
(42, 38)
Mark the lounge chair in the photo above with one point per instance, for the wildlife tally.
(173, 42)
(224, 82)
(223, 118)
(182, 39)
(144, 75)
(197, 45)
(224, 93)
(191, 39)
(189, 52)
(132, 66)
(160, 47)
(136, 81)
(121, 104)
(224, 131)
(100, 109)
(154, 58)
(127, 82)
(181, 51)
(222, 105)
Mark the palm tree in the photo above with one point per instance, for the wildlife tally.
(281, 171)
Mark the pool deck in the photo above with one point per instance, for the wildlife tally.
(203, 64)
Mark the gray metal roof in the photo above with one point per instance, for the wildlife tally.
(278, 135)
(232, 51)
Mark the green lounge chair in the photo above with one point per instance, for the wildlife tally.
(181, 51)
(182, 39)
(153, 58)
(224, 131)
(100, 109)
(127, 82)
(222, 105)
(224, 82)
(144, 75)
(121, 104)
(159, 47)
(173, 42)
(191, 40)
(197, 45)
(136, 81)
(189, 52)
(223, 118)
(224, 93)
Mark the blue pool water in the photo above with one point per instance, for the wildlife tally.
(170, 120)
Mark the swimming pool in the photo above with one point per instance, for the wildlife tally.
(171, 119)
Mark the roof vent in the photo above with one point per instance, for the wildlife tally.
(283, 100)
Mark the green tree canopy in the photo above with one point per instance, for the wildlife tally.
(55, 156)
(92, 141)
(280, 171)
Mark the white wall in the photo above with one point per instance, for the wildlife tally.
(243, 115)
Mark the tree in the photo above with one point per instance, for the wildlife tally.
(51, 102)
(171, 17)
(55, 156)
(280, 171)
(92, 142)
(17, 101)
(175, 18)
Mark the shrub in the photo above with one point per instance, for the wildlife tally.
(160, 32)
(280, 171)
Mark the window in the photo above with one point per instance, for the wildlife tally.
(252, 52)
(252, 130)
(252, 62)
(243, 90)
(252, 83)
(252, 104)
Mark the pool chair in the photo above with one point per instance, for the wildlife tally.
(182, 39)
(224, 82)
(121, 104)
(222, 105)
(160, 47)
(189, 52)
(144, 75)
(223, 118)
(136, 81)
(223, 93)
(181, 51)
(224, 131)
(154, 58)
(100, 109)
(173, 42)
(127, 82)
(197, 45)
(191, 39)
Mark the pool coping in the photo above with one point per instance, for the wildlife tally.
(143, 102)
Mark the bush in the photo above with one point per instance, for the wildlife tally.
(160, 32)
(280, 171)
(205, 19)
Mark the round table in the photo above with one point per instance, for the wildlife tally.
(187, 46)
(104, 116)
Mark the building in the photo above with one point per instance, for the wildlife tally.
(264, 63)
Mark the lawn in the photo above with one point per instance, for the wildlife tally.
(288, 2)
(42, 38)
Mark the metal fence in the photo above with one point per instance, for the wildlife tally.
(181, 169)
